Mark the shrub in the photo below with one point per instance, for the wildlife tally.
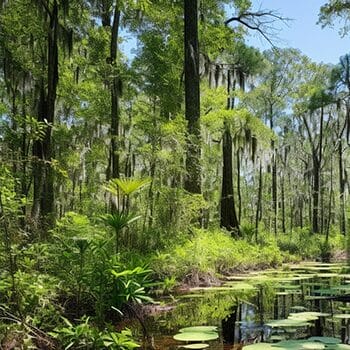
(212, 252)
(85, 336)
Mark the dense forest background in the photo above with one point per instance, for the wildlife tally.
(194, 155)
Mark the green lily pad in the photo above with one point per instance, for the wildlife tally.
(326, 340)
(202, 329)
(290, 330)
(239, 286)
(342, 316)
(195, 346)
(342, 287)
(237, 278)
(196, 336)
(344, 308)
(341, 347)
(289, 322)
(277, 337)
(316, 297)
(305, 318)
(309, 314)
(329, 291)
(259, 346)
(313, 346)
(289, 344)
(327, 275)
(298, 308)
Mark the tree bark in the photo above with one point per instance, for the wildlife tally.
(239, 194)
(274, 176)
(283, 209)
(341, 189)
(258, 204)
(228, 211)
(192, 99)
(115, 93)
(315, 195)
(43, 201)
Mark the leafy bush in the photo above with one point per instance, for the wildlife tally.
(304, 243)
(90, 272)
(211, 252)
(86, 336)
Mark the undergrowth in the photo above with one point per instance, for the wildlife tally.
(215, 252)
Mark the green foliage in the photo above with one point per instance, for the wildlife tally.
(307, 245)
(87, 267)
(36, 295)
(85, 335)
(333, 11)
(89, 270)
(126, 186)
(119, 220)
(212, 252)
(131, 285)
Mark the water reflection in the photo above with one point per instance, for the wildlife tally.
(243, 310)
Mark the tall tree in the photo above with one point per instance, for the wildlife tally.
(192, 98)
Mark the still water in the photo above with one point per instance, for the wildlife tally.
(251, 307)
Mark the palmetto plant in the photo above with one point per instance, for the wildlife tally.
(121, 189)
(125, 186)
(119, 220)
(131, 285)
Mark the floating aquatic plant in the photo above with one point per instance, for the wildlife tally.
(196, 336)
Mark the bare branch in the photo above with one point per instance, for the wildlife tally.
(260, 21)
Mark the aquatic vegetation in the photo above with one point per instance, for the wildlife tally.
(196, 336)
(195, 346)
(199, 329)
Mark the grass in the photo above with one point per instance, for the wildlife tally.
(214, 252)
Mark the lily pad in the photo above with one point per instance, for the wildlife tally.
(342, 316)
(202, 329)
(276, 337)
(196, 336)
(239, 286)
(298, 308)
(341, 347)
(327, 275)
(195, 346)
(289, 322)
(259, 346)
(326, 340)
(289, 344)
(309, 314)
(313, 346)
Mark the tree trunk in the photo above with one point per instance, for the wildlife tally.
(192, 99)
(283, 206)
(341, 189)
(258, 204)
(115, 93)
(331, 193)
(274, 176)
(43, 193)
(239, 195)
(317, 160)
(24, 157)
(48, 206)
(228, 211)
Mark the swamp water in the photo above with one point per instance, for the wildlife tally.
(271, 309)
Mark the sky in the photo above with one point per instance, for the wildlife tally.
(302, 32)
